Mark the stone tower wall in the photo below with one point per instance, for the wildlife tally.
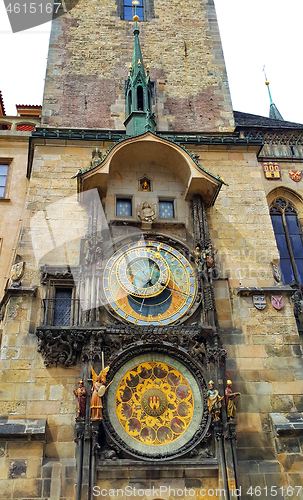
(91, 50)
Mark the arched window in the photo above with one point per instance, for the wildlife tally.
(129, 102)
(289, 239)
(140, 98)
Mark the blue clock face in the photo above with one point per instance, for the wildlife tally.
(143, 273)
(148, 283)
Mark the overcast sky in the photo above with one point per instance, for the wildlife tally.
(254, 33)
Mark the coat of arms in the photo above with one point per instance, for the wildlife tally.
(17, 271)
(277, 301)
(259, 301)
(154, 402)
(272, 170)
(295, 175)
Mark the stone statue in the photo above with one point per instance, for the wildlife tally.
(81, 395)
(146, 212)
(98, 255)
(213, 401)
(276, 271)
(231, 399)
(87, 252)
(96, 157)
(98, 390)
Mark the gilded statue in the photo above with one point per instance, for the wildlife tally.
(198, 257)
(213, 401)
(98, 390)
(231, 399)
(81, 395)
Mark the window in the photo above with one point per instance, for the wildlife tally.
(123, 207)
(140, 98)
(129, 10)
(3, 176)
(166, 209)
(289, 240)
(62, 307)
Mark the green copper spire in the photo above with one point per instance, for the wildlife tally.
(273, 110)
(138, 90)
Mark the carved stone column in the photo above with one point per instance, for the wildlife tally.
(91, 355)
(203, 241)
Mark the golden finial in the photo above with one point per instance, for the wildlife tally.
(139, 62)
(136, 18)
(267, 82)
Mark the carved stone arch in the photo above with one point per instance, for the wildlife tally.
(289, 195)
(161, 152)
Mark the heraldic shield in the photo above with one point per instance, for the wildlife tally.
(295, 175)
(277, 301)
(259, 301)
(154, 402)
(17, 271)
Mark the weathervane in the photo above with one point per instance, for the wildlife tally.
(273, 110)
(136, 17)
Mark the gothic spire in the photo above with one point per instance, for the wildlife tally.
(138, 90)
(273, 110)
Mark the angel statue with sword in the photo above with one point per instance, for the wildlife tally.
(98, 390)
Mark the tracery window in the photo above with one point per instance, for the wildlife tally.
(289, 240)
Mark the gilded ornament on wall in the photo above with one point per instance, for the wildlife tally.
(17, 271)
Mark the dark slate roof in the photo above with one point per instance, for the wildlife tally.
(248, 121)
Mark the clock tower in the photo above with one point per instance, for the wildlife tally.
(144, 272)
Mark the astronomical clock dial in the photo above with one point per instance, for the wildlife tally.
(157, 404)
(147, 283)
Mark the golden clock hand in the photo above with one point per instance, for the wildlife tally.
(176, 291)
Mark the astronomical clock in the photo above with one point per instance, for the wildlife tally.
(155, 405)
(147, 283)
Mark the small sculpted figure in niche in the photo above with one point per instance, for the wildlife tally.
(145, 184)
(213, 401)
(198, 258)
(146, 212)
(98, 254)
(198, 350)
(276, 271)
(81, 395)
(87, 252)
(231, 399)
(209, 256)
(98, 390)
